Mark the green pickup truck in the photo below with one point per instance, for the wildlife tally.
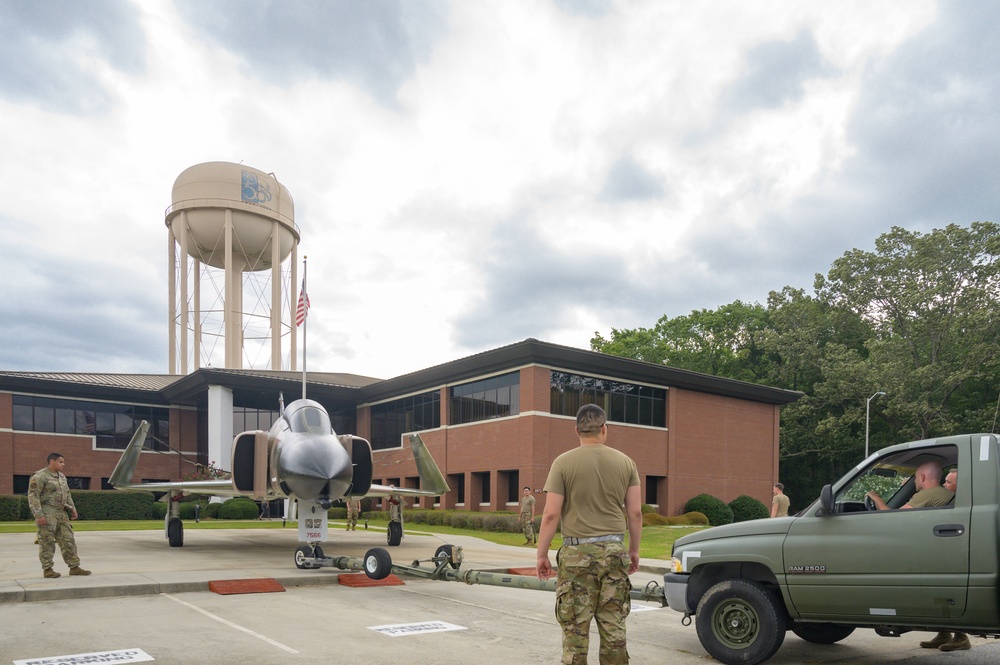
(842, 564)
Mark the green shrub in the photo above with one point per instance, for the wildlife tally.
(459, 520)
(696, 518)
(713, 508)
(103, 505)
(10, 508)
(646, 508)
(435, 517)
(238, 508)
(212, 510)
(158, 510)
(337, 513)
(655, 519)
(187, 509)
(500, 523)
(746, 508)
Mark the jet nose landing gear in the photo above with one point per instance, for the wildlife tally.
(308, 557)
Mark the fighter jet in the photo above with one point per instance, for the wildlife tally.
(301, 458)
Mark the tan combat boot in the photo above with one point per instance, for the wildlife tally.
(48, 572)
(939, 639)
(77, 570)
(958, 643)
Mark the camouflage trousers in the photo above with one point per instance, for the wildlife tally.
(352, 519)
(528, 527)
(57, 531)
(593, 583)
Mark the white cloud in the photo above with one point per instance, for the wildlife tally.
(466, 175)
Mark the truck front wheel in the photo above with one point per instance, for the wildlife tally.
(740, 622)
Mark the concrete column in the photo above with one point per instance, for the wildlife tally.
(220, 427)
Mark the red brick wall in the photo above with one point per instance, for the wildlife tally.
(23, 453)
(717, 445)
(720, 446)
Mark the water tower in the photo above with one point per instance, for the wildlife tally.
(231, 223)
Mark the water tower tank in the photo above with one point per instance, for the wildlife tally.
(205, 192)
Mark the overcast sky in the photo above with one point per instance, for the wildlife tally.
(470, 174)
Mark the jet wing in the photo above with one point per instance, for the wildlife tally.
(210, 487)
(121, 477)
(389, 490)
(431, 479)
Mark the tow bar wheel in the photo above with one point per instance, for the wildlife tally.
(448, 551)
(377, 563)
(740, 621)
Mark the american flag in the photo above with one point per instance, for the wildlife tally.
(302, 310)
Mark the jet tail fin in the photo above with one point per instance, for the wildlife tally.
(432, 481)
(125, 469)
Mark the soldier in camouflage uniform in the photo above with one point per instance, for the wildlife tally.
(353, 511)
(50, 501)
(527, 516)
(594, 490)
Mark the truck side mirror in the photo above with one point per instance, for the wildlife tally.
(826, 500)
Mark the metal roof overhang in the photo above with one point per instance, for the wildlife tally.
(533, 351)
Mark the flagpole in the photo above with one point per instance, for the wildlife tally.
(305, 324)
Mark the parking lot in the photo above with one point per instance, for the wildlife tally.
(151, 599)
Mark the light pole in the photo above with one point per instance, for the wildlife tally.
(867, 409)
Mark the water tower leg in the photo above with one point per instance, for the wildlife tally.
(171, 301)
(275, 297)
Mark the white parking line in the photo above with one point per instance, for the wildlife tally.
(230, 624)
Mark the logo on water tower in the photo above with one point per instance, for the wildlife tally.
(255, 191)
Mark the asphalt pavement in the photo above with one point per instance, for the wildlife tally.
(148, 601)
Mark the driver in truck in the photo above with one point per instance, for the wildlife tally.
(927, 481)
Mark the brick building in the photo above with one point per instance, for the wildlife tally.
(493, 421)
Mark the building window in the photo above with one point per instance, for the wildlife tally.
(21, 484)
(495, 397)
(652, 490)
(250, 419)
(390, 420)
(623, 402)
(111, 425)
(457, 482)
(484, 487)
(78, 482)
(513, 489)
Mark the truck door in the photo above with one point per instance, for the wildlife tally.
(874, 566)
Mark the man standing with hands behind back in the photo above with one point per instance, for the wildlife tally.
(595, 491)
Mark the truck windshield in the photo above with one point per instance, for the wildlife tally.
(892, 474)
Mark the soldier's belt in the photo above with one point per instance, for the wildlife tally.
(610, 538)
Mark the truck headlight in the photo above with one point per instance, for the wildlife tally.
(676, 566)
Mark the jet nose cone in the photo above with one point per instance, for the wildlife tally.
(313, 467)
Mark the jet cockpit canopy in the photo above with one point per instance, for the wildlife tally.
(308, 417)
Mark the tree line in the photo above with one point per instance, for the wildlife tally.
(916, 319)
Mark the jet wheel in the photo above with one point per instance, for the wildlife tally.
(394, 533)
(377, 563)
(175, 532)
(303, 552)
